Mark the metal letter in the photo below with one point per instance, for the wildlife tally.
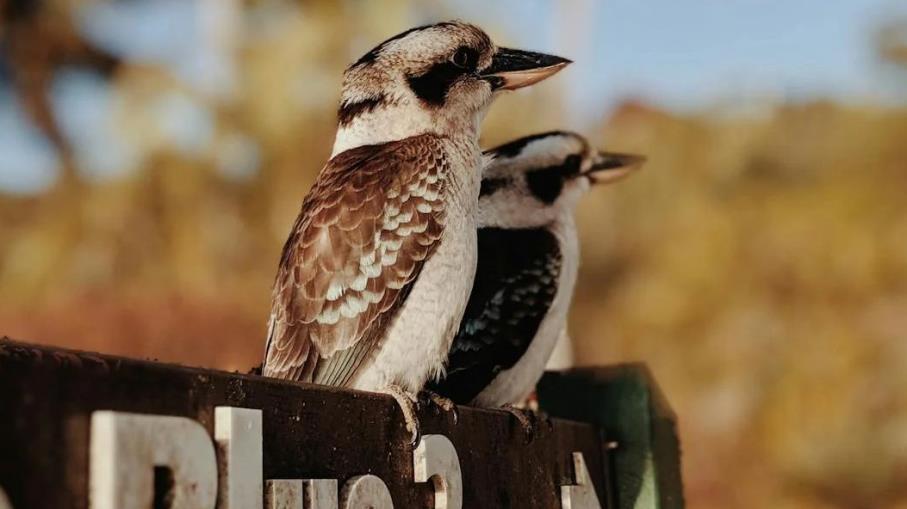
(320, 493)
(582, 494)
(126, 448)
(436, 459)
(365, 492)
(237, 432)
(299, 493)
(283, 494)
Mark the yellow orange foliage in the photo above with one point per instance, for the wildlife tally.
(758, 263)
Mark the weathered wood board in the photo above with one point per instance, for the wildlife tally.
(47, 397)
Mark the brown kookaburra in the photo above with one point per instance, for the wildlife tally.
(376, 272)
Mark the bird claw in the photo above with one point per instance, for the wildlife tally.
(526, 418)
(445, 404)
(408, 406)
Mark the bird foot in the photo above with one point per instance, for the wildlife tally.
(445, 404)
(527, 419)
(408, 406)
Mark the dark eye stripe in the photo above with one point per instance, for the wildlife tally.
(349, 111)
(547, 183)
(571, 164)
(492, 185)
(432, 87)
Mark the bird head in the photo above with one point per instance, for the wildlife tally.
(436, 78)
(531, 181)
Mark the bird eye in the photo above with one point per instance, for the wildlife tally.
(572, 164)
(464, 58)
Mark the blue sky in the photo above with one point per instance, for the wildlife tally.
(693, 53)
(681, 55)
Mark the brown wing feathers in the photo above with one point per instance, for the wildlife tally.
(373, 217)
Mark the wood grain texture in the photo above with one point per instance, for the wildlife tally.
(47, 396)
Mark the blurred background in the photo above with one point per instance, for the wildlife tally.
(154, 153)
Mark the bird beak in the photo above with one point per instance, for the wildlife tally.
(610, 167)
(511, 69)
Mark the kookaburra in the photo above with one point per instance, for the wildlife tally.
(376, 272)
(528, 259)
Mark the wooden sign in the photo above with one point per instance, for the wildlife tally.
(81, 430)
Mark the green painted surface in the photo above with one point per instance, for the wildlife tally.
(626, 403)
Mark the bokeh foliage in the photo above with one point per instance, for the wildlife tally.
(758, 263)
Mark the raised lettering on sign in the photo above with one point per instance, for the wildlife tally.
(126, 449)
(133, 456)
(365, 492)
(237, 432)
(301, 493)
(436, 459)
(582, 494)
(283, 494)
(320, 493)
